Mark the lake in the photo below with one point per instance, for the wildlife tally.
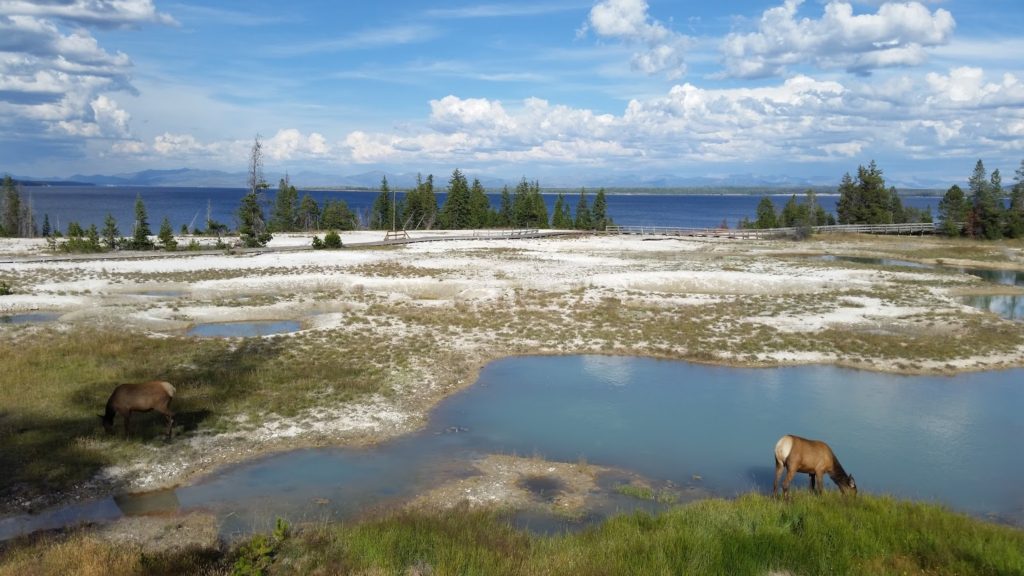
(91, 204)
(943, 439)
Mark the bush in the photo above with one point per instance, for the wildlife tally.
(332, 240)
(5, 288)
(318, 244)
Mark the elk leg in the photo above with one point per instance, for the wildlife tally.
(169, 416)
(790, 473)
(821, 481)
(127, 420)
(813, 483)
(778, 474)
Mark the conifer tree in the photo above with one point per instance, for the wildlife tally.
(600, 211)
(308, 214)
(456, 212)
(47, 230)
(506, 217)
(983, 220)
(558, 220)
(382, 215)
(536, 209)
(252, 226)
(336, 215)
(285, 214)
(1015, 213)
(583, 219)
(12, 211)
(141, 232)
(166, 235)
(766, 214)
(479, 206)
(110, 232)
(953, 210)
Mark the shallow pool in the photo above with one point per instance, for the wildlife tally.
(243, 329)
(953, 440)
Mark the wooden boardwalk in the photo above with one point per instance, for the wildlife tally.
(753, 233)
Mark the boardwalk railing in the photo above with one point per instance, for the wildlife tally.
(915, 228)
(517, 233)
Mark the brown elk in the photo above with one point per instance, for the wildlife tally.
(128, 398)
(812, 457)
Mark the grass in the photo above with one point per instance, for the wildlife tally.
(54, 384)
(751, 535)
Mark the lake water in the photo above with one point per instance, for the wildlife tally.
(90, 205)
(945, 439)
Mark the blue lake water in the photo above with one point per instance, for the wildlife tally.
(90, 205)
(953, 440)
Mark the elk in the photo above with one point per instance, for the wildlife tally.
(812, 457)
(128, 398)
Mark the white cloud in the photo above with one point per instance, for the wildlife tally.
(661, 50)
(104, 13)
(896, 35)
(57, 82)
(290, 144)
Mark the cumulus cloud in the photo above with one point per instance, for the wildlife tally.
(658, 49)
(896, 35)
(57, 81)
(798, 119)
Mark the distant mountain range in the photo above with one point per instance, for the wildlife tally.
(191, 177)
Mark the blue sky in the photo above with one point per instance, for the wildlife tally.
(561, 90)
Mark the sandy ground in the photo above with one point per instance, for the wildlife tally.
(770, 284)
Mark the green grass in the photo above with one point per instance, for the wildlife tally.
(751, 535)
(54, 384)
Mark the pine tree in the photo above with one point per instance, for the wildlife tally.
(766, 214)
(953, 210)
(110, 232)
(166, 235)
(382, 216)
(11, 224)
(849, 201)
(984, 218)
(600, 211)
(252, 226)
(537, 210)
(308, 214)
(337, 216)
(896, 212)
(583, 219)
(557, 218)
(141, 233)
(285, 215)
(456, 212)
(47, 230)
(479, 206)
(1015, 213)
(505, 213)
(521, 204)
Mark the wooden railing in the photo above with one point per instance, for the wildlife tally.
(915, 228)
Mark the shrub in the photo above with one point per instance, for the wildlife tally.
(332, 240)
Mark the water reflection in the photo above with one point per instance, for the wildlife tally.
(932, 438)
(1009, 306)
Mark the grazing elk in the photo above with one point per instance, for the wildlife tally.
(128, 398)
(811, 457)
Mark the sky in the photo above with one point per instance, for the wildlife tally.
(558, 90)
